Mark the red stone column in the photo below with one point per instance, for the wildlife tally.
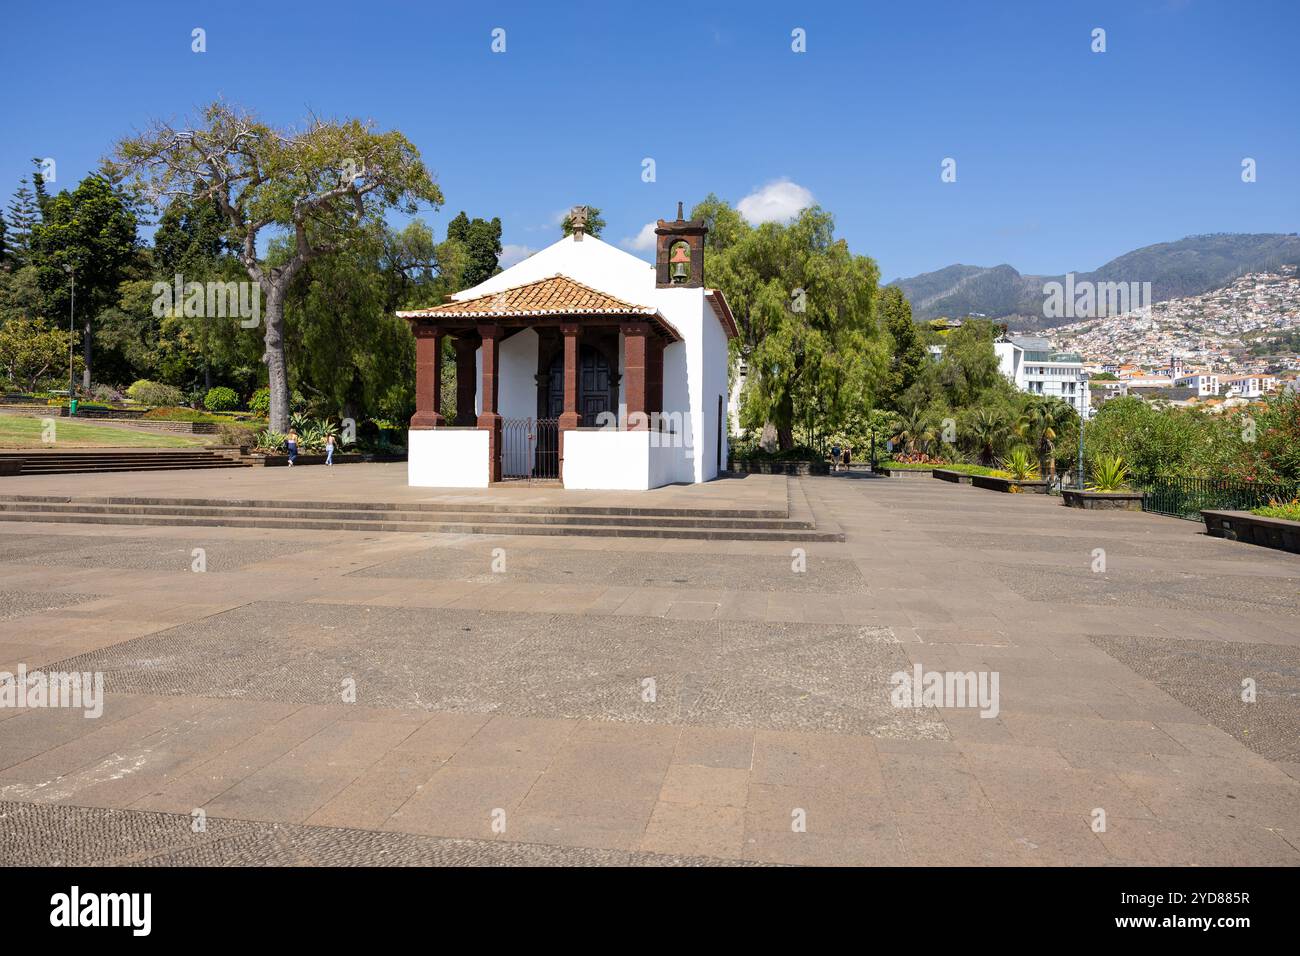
(488, 417)
(634, 373)
(466, 387)
(654, 374)
(428, 379)
(570, 418)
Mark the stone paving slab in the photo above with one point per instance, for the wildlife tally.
(770, 737)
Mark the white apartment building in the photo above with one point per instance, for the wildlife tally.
(1031, 364)
(1249, 386)
(1204, 384)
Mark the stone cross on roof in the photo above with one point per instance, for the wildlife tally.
(578, 222)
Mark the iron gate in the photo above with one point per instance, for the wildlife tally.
(530, 449)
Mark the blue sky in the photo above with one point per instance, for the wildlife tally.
(1065, 157)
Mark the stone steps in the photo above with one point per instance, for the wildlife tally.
(797, 523)
(111, 461)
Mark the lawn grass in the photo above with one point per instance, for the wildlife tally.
(21, 431)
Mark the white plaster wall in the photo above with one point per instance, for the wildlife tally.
(447, 458)
(605, 459)
(684, 368)
(517, 391)
(714, 362)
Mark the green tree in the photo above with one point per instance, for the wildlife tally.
(915, 430)
(1043, 421)
(32, 351)
(805, 308)
(90, 231)
(322, 189)
(355, 352)
(988, 430)
(481, 241)
(595, 222)
(909, 357)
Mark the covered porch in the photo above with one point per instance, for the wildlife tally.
(555, 381)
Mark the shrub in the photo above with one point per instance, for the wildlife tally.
(1109, 473)
(220, 399)
(1288, 510)
(169, 413)
(232, 434)
(260, 401)
(270, 441)
(797, 453)
(1020, 464)
(154, 393)
(106, 393)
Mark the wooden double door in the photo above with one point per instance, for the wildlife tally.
(597, 386)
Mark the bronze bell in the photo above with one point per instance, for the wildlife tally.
(680, 261)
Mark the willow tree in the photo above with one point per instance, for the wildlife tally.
(805, 307)
(321, 188)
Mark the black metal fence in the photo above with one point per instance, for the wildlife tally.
(1185, 497)
(530, 449)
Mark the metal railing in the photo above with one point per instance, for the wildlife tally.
(1186, 497)
(530, 449)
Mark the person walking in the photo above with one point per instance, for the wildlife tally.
(291, 446)
(848, 455)
(835, 457)
(329, 450)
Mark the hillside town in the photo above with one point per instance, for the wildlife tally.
(1217, 349)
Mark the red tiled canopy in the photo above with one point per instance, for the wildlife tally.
(555, 297)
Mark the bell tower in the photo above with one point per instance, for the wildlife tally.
(679, 253)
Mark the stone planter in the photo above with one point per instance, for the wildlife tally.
(780, 467)
(1254, 529)
(1102, 500)
(306, 459)
(905, 472)
(990, 483)
(957, 477)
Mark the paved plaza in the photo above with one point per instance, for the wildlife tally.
(548, 700)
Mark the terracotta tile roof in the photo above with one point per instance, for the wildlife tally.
(723, 311)
(558, 295)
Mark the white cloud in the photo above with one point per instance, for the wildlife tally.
(513, 253)
(643, 241)
(778, 201)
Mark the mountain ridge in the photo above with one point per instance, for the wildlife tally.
(1188, 266)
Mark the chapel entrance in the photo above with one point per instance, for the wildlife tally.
(595, 386)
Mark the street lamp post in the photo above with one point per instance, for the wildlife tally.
(72, 334)
(1078, 481)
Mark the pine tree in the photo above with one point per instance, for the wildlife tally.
(23, 217)
(38, 184)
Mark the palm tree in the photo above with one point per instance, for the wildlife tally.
(915, 430)
(1040, 425)
(989, 431)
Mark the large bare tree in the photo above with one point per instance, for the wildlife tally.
(320, 187)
